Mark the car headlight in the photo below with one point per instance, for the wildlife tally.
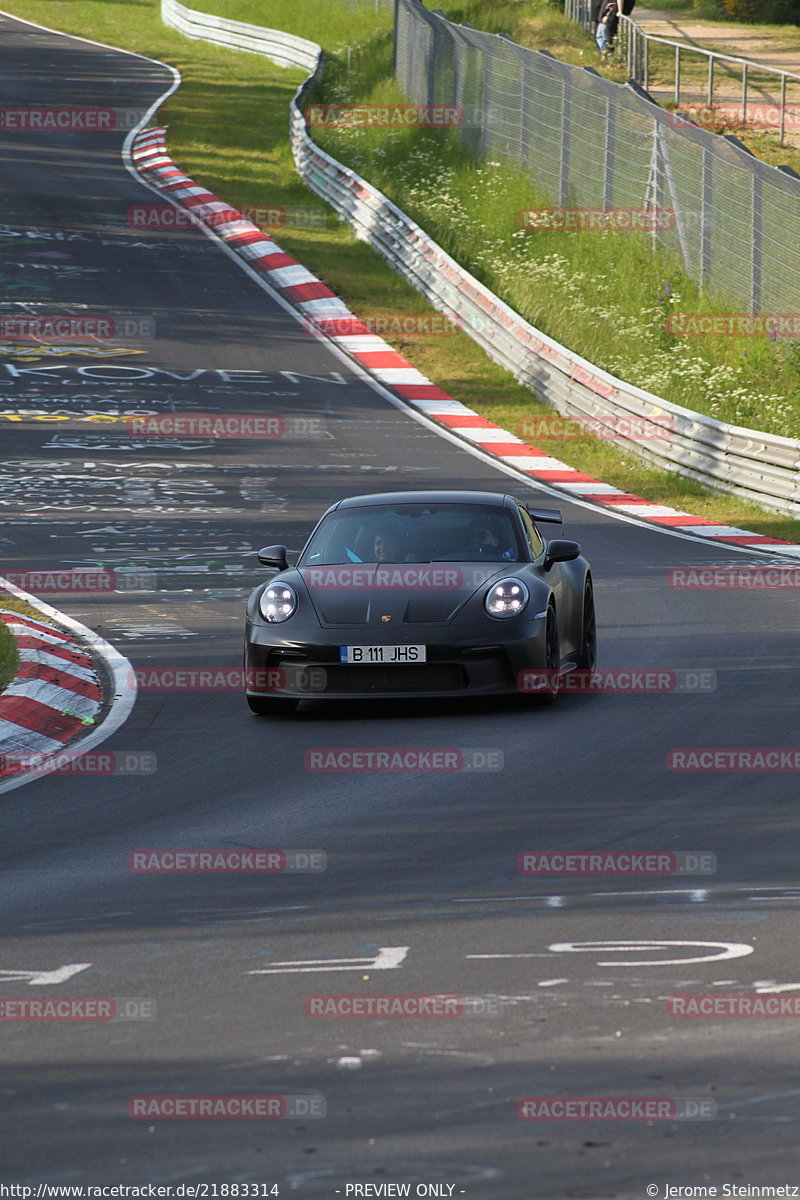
(507, 598)
(277, 602)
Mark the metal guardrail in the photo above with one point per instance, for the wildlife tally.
(635, 44)
(281, 48)
(760, 467)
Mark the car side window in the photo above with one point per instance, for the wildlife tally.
(531, 533)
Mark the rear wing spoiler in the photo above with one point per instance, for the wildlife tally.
(547, 515)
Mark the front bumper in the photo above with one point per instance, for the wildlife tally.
(462, 665)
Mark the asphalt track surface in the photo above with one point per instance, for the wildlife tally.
(423, 861)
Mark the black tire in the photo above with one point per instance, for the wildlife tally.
(271, 706)
(588, 656)
(546, 695)
(552, 652)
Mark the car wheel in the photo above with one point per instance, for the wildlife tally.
(271, 706)
(552, 652)
(588, 656)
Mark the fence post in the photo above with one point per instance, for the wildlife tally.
(487, 101)
(457, 70)
(706, 199)
(758, 233)
(430, 84)
(663, 157)
(629, 47)
(610, 147)
(563, 166)
(652, 192)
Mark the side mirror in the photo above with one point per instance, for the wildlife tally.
(560, 550)
(273, 556)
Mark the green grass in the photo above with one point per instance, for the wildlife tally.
(697, 10)
(9, 655)
(228, 129)
(715, 10)
(331, 23)
(20, 606)
(606, 295)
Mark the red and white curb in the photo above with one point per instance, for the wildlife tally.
(326, 313)
(54, 697)
(65, 700)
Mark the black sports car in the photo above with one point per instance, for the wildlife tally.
(419, 594)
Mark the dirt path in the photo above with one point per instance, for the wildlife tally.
(772, 48)
(744, 41)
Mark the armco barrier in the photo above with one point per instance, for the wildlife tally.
(282, 48)
(760, 467)
(264, 259)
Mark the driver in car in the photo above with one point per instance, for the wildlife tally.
(483, 542)
(483, 539)
(383, 546)
(386, 547)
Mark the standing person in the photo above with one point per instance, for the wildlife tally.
(606, 14)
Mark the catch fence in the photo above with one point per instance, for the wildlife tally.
(586, 142)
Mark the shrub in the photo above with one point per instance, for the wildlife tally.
(769, 12)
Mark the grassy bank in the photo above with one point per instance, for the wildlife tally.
(9, 656)
(228, 126)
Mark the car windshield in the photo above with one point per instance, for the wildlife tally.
(415, 533)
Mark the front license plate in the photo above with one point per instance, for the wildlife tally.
(382, 654)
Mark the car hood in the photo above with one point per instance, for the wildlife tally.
(394, 594)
